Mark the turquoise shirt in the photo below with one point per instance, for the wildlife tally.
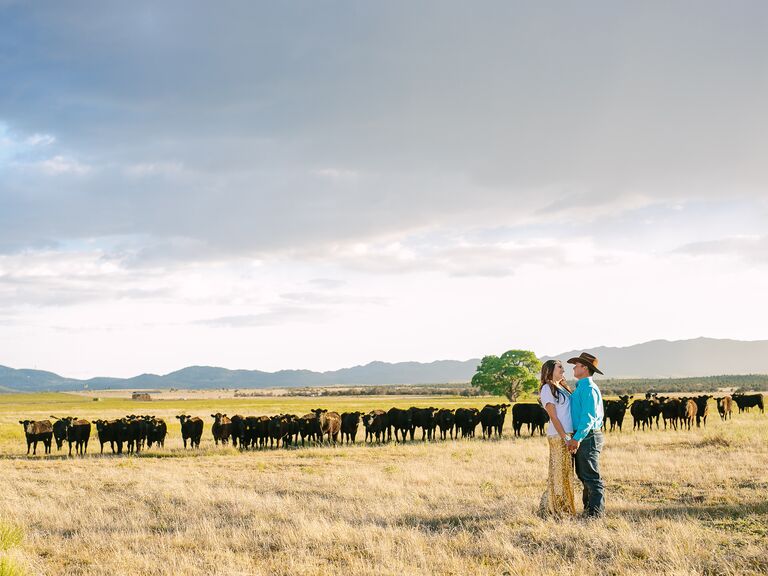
(586, 408)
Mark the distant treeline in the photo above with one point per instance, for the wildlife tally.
(757, 382)
(460, 389)
(609, 386)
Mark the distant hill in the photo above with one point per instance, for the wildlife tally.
(205, 377)
(655, 359)
(680, 358)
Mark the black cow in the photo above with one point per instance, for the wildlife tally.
(614, 411)
(641, 414)
(113, 431)
(37, 431)
(466, 420)
(78, 433)
(445, 419)
(654, 409)
(492, 419)
(531, 414)
(349, 423)
(309, 427)
(144, 428)
(221, 429)
(424, 418)
(59, 431)
(401, 420)
(191, 429)
(670, 412)
(290, 428)
(702, 409)
(278, 430)
(238, 429)
(747, 401)
(257, 431)
(104, 433)
(137, 433)
(376, 424)
(158, 430)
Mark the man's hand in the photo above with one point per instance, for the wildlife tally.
(573, 445)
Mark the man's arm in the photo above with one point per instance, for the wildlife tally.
(573, 444)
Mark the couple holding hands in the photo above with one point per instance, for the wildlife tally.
(575, 437)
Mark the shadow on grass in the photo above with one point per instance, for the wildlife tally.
(175, 453)
(697, 512)
(445, 523)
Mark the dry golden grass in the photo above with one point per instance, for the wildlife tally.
(678, 503)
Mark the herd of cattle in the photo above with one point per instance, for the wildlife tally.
(674, 412)
(135, 432)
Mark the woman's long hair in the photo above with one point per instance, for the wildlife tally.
(547, 373)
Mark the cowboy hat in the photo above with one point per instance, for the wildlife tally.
(586, 359)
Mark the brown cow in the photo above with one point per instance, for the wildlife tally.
(330, 424)
(724, 407)
(38, 431)
(688, 410)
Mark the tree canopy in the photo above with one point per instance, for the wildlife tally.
(511, 374)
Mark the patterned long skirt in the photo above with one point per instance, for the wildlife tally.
(557, 499)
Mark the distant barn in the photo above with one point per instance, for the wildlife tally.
(140, 396)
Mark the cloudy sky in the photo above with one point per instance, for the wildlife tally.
(321, 184)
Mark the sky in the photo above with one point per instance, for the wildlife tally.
(262, 185)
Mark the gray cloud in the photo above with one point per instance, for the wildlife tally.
(335, 298)
(752, 249)
(279, 315)
(454, 256)
(52, 279)
(262, 128)
(63, 291)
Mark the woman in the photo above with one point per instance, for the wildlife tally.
(555, 397)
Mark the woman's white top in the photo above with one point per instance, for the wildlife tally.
(562, 408)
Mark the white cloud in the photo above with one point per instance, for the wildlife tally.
(63, 165)
(336, 174)
(145, 169)
(40, 140)
(450, 255)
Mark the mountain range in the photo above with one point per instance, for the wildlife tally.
(655, 359)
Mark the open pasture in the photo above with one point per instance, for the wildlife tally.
(678, 502)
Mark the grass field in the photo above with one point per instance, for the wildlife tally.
(677, 502)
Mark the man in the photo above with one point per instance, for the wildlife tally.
(587, 441)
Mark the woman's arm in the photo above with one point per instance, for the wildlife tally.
(550, 408)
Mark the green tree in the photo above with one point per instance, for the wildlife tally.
(511, 374)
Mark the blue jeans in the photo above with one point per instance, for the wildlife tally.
(588, 470)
